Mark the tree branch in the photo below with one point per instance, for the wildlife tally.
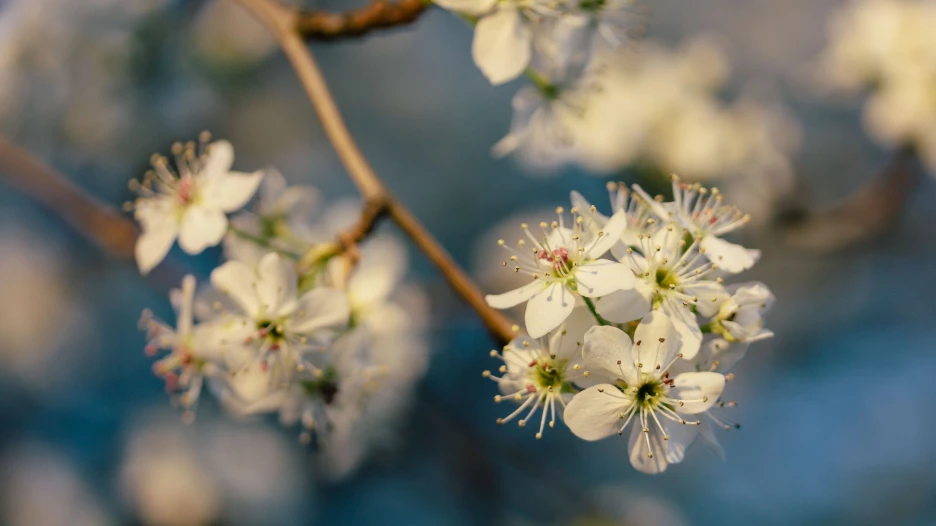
(282, 23)
(862, 216)
(98, 222)
(379, 14)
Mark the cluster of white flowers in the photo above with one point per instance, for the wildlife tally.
(647, 336)
(889, 48)
(289, 324)
(593, 103)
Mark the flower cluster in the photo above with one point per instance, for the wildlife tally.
(290, 323)
(639, 342)
(660, 110)
(889, 47)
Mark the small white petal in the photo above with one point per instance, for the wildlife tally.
(626, 305)
(639, 452)
(515, 297)
(595, 413)
(564, 346)
(611, 231)
(706, 433)
(681, 437)
(201, 228)
(153, 245)
(608, 351)
(239, 282)
(219, 160)
(603, 277)
(230, 191)
(710, 294)
(728, 256)
(653, 328)
(276, 288)
(726, 353)
(690, 336)
(471, 7)
(548, 309)
(501, 46)
(707, 386)
(321, 308)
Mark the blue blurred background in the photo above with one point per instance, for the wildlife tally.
(836, 409)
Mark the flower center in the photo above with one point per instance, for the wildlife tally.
(325, 387)
(547, 374)
(559, 259)
(185, 191)
(665, 278)
(272, 331)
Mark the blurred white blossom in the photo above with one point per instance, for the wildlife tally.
(39, 486)
(40, 316)
(888, 48)
(175, 475)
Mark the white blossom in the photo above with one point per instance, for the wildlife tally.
(281, 220)
(540, 374)
(564, 263)
(738, 323)
(670, 277)
(639, 388)
(191, 358)
(273, 323)
(190, 201)
(701, 212)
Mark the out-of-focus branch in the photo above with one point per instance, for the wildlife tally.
(100, 223)
(282, 22)
(864, 215)
(379, 14)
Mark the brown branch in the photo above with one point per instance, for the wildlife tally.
(379, 14)
(281, 22)
(100, 223)
(864, 215)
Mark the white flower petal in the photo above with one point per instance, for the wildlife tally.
(655, 206)
(219, 160)
(690, 336)
(595, 413)
(568, 339)
(603, 277)
(711, 295)
(681, 437)
(728, 256)
(501, 46)
(626, 305)
(321, 308)
(725, 353)
(698, 391)
(471, 7)
(201, 228)
(153, 245)
(548, 309)
(640, 455)
(707, 434)
(609, 350)
(584, 208)
(610, 235)
(230, 191)
(656, 341)
(239, 282)
(515, 297)
(277, 285)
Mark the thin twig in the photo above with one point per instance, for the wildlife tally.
(98, 222)
(861, 217)
(379, 14)
(281, 22)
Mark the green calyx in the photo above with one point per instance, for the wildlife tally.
(324, 387)
(592, 5)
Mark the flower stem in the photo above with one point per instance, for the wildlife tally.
(591, 307)
(257, 240)
(281, 22)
